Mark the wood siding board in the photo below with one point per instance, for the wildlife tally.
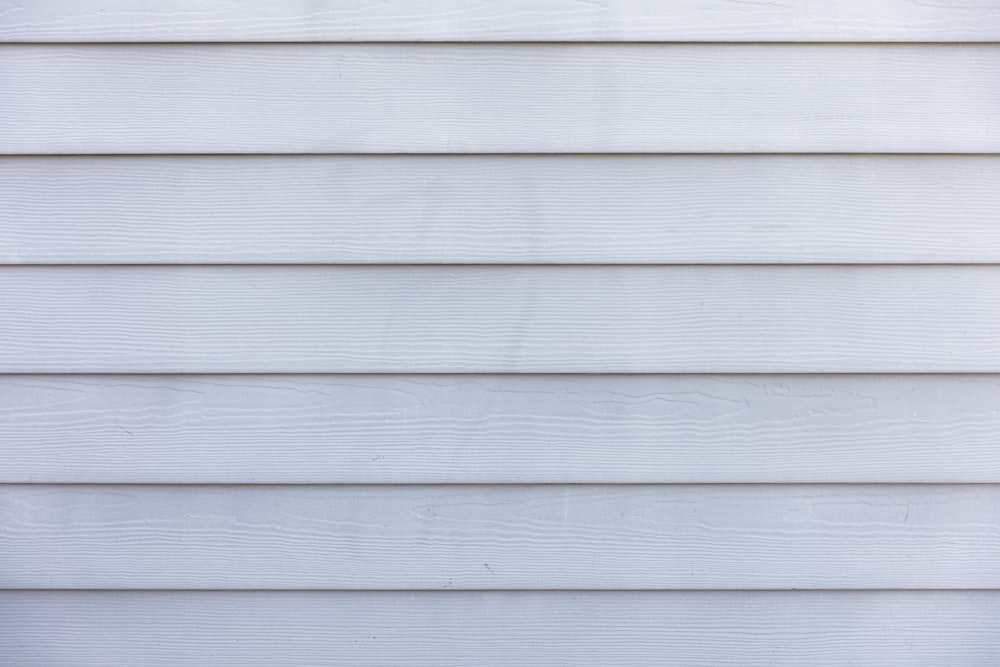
(501, 537)
(499, 209)
(645, 319)
(500, 629)
(446, 98)
(561, 20)
(499, 429)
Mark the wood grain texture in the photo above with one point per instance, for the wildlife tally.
(499, 209)
(497, 629)
(333, 20)
(500, 537)
(499, 429)
(644, 319)
(496, 98)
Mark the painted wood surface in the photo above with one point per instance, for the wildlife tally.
(498, 465)
(447, 98)
(495, 629)
(499, 428)
(644, 20)
(500, 537)
(500, 209)
(643, 319)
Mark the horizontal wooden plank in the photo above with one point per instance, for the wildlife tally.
(643, 319)
(332, 20)
(494, 629)
(500, 537)
(499, 428)
(497, 98)
(500, 209)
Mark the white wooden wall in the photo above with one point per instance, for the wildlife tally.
(499, 333)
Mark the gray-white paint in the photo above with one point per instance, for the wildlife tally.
(505, 629)
(500, 209)
(398, 319)
(415, 429)
(499, 98)
(513, 20)
(424, 537)
(218, 454)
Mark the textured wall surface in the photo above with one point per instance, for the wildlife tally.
(499, 333)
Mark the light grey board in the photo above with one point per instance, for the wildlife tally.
(447, 98)
(500, 537)
(500, 209)
(499, 428)
(333, 20)
(500, 319)
(496, 629)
